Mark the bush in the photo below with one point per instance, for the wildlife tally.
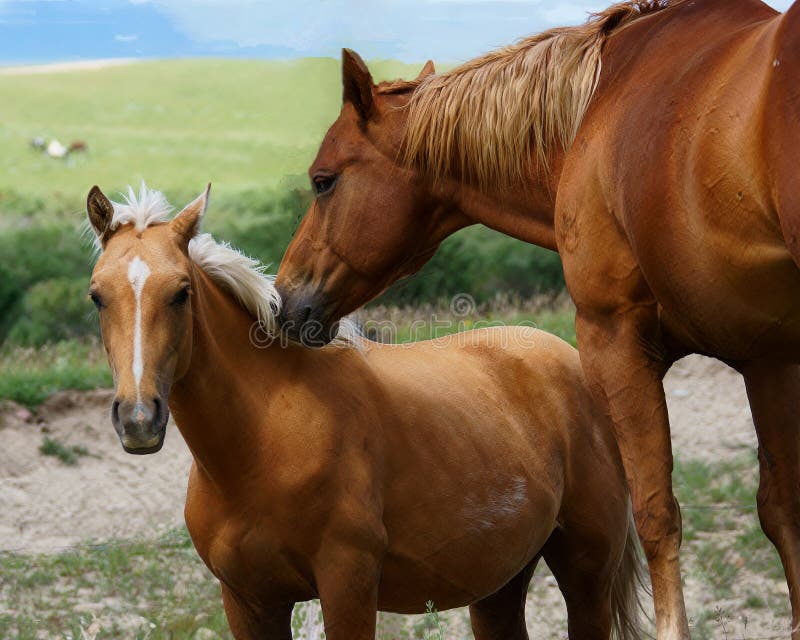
(34, 254)
(482, 263)
(261, 224)
(54, 310)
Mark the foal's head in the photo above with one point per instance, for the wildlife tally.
(141, 286)
(373, 220)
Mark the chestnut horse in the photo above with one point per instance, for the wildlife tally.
(371, 476)
(657, 149)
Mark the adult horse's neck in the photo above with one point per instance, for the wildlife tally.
(218, 401)
(524, 212)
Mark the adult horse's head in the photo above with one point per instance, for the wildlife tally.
(373, 220)
(141, 286)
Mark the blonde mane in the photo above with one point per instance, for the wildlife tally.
(241, 276)
(494, 118)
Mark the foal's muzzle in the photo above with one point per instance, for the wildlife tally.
(140, 425)
(305, 319)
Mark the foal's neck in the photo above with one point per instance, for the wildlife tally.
(218, 404)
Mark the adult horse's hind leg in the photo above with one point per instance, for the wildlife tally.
(501, 616)
(620, 354)
(774, 392)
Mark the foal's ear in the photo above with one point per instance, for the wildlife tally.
(101, 212)
(427, 70)
(187, 223)
(357, 83)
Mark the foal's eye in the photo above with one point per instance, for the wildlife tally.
(323, 184)
(180, 298)
(98, 302)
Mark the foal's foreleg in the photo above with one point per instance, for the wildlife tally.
(774, 394)
(347, 583)
(249, 623)
(619, 356)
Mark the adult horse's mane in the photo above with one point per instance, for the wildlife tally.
(486, 120)
(236, 273)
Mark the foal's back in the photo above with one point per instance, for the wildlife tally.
(491, 438)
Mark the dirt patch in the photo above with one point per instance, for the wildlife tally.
(46, 505)
(708, 410)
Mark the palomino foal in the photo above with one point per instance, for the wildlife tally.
(371, 476)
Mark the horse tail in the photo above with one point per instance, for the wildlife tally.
(627, 587)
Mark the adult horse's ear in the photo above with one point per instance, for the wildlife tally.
(427, 70)
(187, 223)
(101, 213)
(357, 83)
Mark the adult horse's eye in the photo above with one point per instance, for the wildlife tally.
(180, 298)
(96, 299)
(323, 184)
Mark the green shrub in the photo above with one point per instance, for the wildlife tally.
(259, 223)
(482, 263)
(54, 310)
(34, 254)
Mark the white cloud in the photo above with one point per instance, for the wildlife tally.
(119, 37)
(449, 30)
(407, 29)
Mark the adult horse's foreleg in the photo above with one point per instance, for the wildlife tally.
(774, 392)
(501, 616)
(621, 356)
(248, 623)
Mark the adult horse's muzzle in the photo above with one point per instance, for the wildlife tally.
(140, 425)
(304, 317)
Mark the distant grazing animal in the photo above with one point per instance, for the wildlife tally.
(657, 148)
(56, 150)
(371, 476)
(77, 145)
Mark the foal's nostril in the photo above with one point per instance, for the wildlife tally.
(115, 411)
(305, 314)
(156, 411)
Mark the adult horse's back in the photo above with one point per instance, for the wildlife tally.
(656, 147)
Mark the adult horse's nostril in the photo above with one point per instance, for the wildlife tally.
(115, 412)
(304, 315)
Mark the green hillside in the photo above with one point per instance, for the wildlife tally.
(178, 124)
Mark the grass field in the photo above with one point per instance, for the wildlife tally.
(177, 124)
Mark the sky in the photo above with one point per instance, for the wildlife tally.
(33, 31)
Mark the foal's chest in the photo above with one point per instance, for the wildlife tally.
(246, 550)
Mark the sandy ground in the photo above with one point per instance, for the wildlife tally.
(46, 506)
(60, 67)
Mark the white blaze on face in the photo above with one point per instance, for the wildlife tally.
(138, 272)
